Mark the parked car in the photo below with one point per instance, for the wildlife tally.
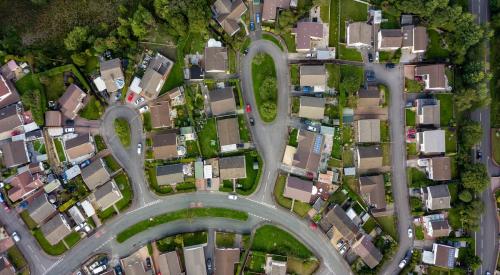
(232, 197)
(209, 264)
(370, 76)
(143, 109)
(139, 100)
(479, 154)
(390, 65)
(252, 26)
(376, 57)
(248, 108)
(69, 130)
(313, 226)
(130, 97)
(402, 264)
(118, 270)
(370, 57)
(252, 121)
(410, 233)
(84, 164)
(139, 148)
(312, 128)
(257, 17)
(148, 263)
(118, 95)
(16, 237)
(245, 52)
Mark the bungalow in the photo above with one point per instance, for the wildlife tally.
(56, 229)
(368, 131)
(169, 263)
(439, 168)
(71, 102)
(359, 34)
(107, 195)
(14, 153)
(312, 107)
(367, 251)
(441, 255)
(225, 260)
(431, 142)
(11, 119)
(79, 148)
(436, 197)
(222, 101)
(306, 33)
(309, 149)
(428, 112)
(23, 185)
(271, 7)
(40, 209)
(369, 96)
(436, 225)
(228, 14)
(136, 263)
(112, 75)
(369, 157)
(389, 39)
(215, 59)
(155, 75)
(229, 134)
(170, 174)
(95, 174)
(337, 219)
(313, 76)
(194, 259)
(371, 189)
(433, 76)
(231, 168)
(298, 189)
(415, 38)
(160, 112)
(165, 145)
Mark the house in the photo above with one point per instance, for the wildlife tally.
(359, 34)
(313, 76)
(194, 260)
(371, 189)
(369, 96)
(56, 229)
(309, 149)
(40, 209)
(215, 59)
(160, 112)
(312, 107)
(436, 197)
(428, 112)
(11, 120)
(77, 216)
(439, 168)
(222, 101)
(368, 131)
(415, 38)
(8, 92)
(305, 35)
(112, 75)
(341, 223)
(274, 267)
(441, 255)
(225, 260)
(298, 189)
(136, 263)
(23, 185)
(155, 75)
(11, 71)
(169, 263)
(431, 142)
(433, 76)
(367, 251)
(6, 241)
(271, 7)
(369, 157)
(170, 174)
(229, 134)
(389, 39)
(53, 119)
(436, 225)
(71, 102)
(14, 153)
(95, 174)
(231, 168)
(79, 148)
(228, 14)
(107, 195)
(165, 145)
(6, 268)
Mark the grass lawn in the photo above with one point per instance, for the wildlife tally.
(304, 267)
(249, 184)
(451, 141)
(60, 150)
(231, 55)
(417, 178)
(25, 216)
(273, 39)
(53, 250)
(256, 262)
(294, 74)
(435, 50)
(290, 42)
(179, 215)
(292, 139)
(208, 139)
(39, 147)
(446, 108)
(225, 239)
(333, 38)
(411, 149)
(72, 239)
(111, 163)
(194, 238)
(338, 197)
(153, 183)
(299, 207)
(369, 225)
(271, 239)
(296, 105)
(349, 54)
(53, 81)
(192, 149)
(388, 225)
(353, 11)
(93, 110)
(123, 184)
(99, 142)
(348, 158)
(419, 232)
(495, 142)
(170, 243)
(333, 75)
(413, 86)
(264, 71)
(146, 118)
(385, 135)
(122, 130)
(411, 119)
(16, 257)
(337, 144)
(244, 131)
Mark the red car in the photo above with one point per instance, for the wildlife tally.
(313, 226)
(248, 108)
(130, 97)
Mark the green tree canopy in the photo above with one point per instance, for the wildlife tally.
(465, 196)
(475, 177)
(471, 133)
(141, 22)
(76, 38)
(269, 88)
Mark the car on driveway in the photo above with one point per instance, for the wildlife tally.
(410, 233)
(139, 100)
(390, 65)
(312, 128)
(143, 109)
(248, 108)
(370, 76)
(370, 57)
(209, 265)
(257, 18)
(252, 26)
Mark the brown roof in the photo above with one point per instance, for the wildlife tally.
(225, 259)
(8, 92)
(369, 97)
(444, 256)
(23, 185)
(365, 249)
(298, 189)
(420, 39)
(313, 75)
(440, 168)
(359, 33)
(368, 130)
(160, 114)
(95, 174)
(373, 192)
(440, 228)
(111, 70)
(232, 168)
(107, 195)
(407, 35)
(170, 174)
(435, 74)
(228, 14)
(438, 197)
(6, 268)
(312, 107)
(222, 101)
(344, 225)
(390, 38)
(428, 112)
(369, 157)
(55, 230)
(78, 147)
(154, 77)
(215, 59)
(40, 209)
(53, 118)
(6, 241)
(228, 130)
(14, 153)
(270, 7)
(165, 145)
(308, 154)
(305, 32)
(71, 101)
(169, 263)
(10, 118)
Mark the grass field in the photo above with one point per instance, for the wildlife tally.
(495, 143)
(271, 239)
(446, 108)
(263, 69)
(351, 10)
(207, 138)
(122, 130)
(299, 207)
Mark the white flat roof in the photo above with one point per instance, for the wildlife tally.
(99, 83)
(134, 86)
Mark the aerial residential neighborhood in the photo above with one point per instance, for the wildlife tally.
(249, 137)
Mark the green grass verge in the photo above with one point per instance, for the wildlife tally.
(99, 142)
(53, 250)
(60, 150)
(294, 74)
(122, 130)
(30, 223)
(299, 207)
(271, 239)
(111, 163)
(250, 183)
(16, 257)
(411, 118)
(264, 71)
(273, 39)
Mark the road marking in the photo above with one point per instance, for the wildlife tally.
(145, 206)
(257, 216)
(54, 265)
(263, 203)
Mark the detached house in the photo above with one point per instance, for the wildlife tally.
(95, 174)
(428, 112)
(431, 142)
(433, 76)
(79, 148)
(436, 225)
(229, 134)
(271, 7)
(215, 59)
(11, 119)
(165, 145)
(298, 189)
(71, 102)
(371, 189)
(56, 229)
(228, 14)
(222, 101)
(415, 38)
(160, 112)
(439, 168)
(112, 75)
(14, 153)
(312, 107)
(24, 185)
(441, 255)
(309, 149)
(40, 209)
(305, 35)
(107, 195)
(369, 157)
(359, 34)
(155, 75)
(436, 197)
(389, 39)
(231, 168)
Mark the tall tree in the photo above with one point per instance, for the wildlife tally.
(76, 39)
(475, 177)
(471, 133)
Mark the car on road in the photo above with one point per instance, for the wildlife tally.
(402, 263)
(390, 66)
(248, 108)
(143, 109)
(479, 154)
(209, 265)
(252, 121)
(139, 148)
(252, 26)
(370, 57)
(245, 52)
(376, 57)
(423, 162)
(139, 100)
(232, 197)
(410, 233)
(313, 226)
(257, 17)
(15, 237)
(148, 263)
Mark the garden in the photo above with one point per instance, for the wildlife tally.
(273, 240)
(122, 130)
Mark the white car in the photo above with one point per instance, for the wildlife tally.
(139, 100)
(402, 263)
(69, 130)
(232, 197)
(410, 233)
(139, 148)
(143, 109)
(16, 237)
(423, 162)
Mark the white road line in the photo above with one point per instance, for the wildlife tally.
(257, 216)
(263, 203)
(53, 265)
(145, 206)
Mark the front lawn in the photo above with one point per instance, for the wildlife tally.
(72, 239)
(250, 183)
(352, 11)
(99, 143)
(349, 53)
(16, 258)
(411, 149)
(294, 74)
(244, 131)
(417, 178)
(208, 139)
(39, 147)
(384, 131)
(153, 183)
(290, 42)
(224, 239)
(111, 163)
(388, 225)
(123, 184)
(30, 223)
(411, 119)
(60, 150)
(53, 250)
(194, 238)
(93, 110)
(446, 108)
(265, 86)
(273, 240)
(419, 232)
(299, 207)
(299, 266)
(292, 138)
(369, 225)
(122, 130)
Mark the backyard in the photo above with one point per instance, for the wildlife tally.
(350, 10)
(60, 150)
(436, 49)
(93, 109)
(208, 139)
(388, 225)
(446, 108)
(122, 130)
(265, 86)
(495, 142)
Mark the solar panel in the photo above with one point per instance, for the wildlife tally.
(317, 144)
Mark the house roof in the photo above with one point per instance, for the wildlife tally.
(344, 225)
(444, 256)
(312, 75)
(369, 97)
(359, 33)
(438, 197)
(441, 168)
(435, 74)
(440, 228)
(23, 184)
(6, 268)
(6, 241)
(428, 112)
(53, 119)
(368, 130)
(112, 74)
(170, 174)
(55, 230)
(305, 32)
(71, 101)
(160, 114)
(40, 209)
(298, 189)
(106, 195)
(215, 59)
(432, 141)
(390, 38)
(232, 168)
(169, 263)
(308, 154)
(420, 39)
(370, 157)
(154, 77)
(8, 92)
(165, 145)
(270, 8)
(194, 260)
(312, 107)
(79, 146)
(222, 101)
(407, 32)
(228, 14)
(365, 249)
(228, 131)
(14, 153)
(225, 259)
(372, 190)
(95, 174)
(10, 118)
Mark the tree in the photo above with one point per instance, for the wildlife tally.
(141, 22)
(268, 89)
(80, 59)
(465, 196)
(287, 19)
(475, 177)
(268, 110)
(471, 133)
(468, 259)
(469, 215)
(76, 38)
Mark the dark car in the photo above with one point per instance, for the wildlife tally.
(252, 26)
(390, 65)
(479, 154)
(118, 270)
(370, 76)
(252, 121)
(370, 57)
(209, 264)
(148, 263)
